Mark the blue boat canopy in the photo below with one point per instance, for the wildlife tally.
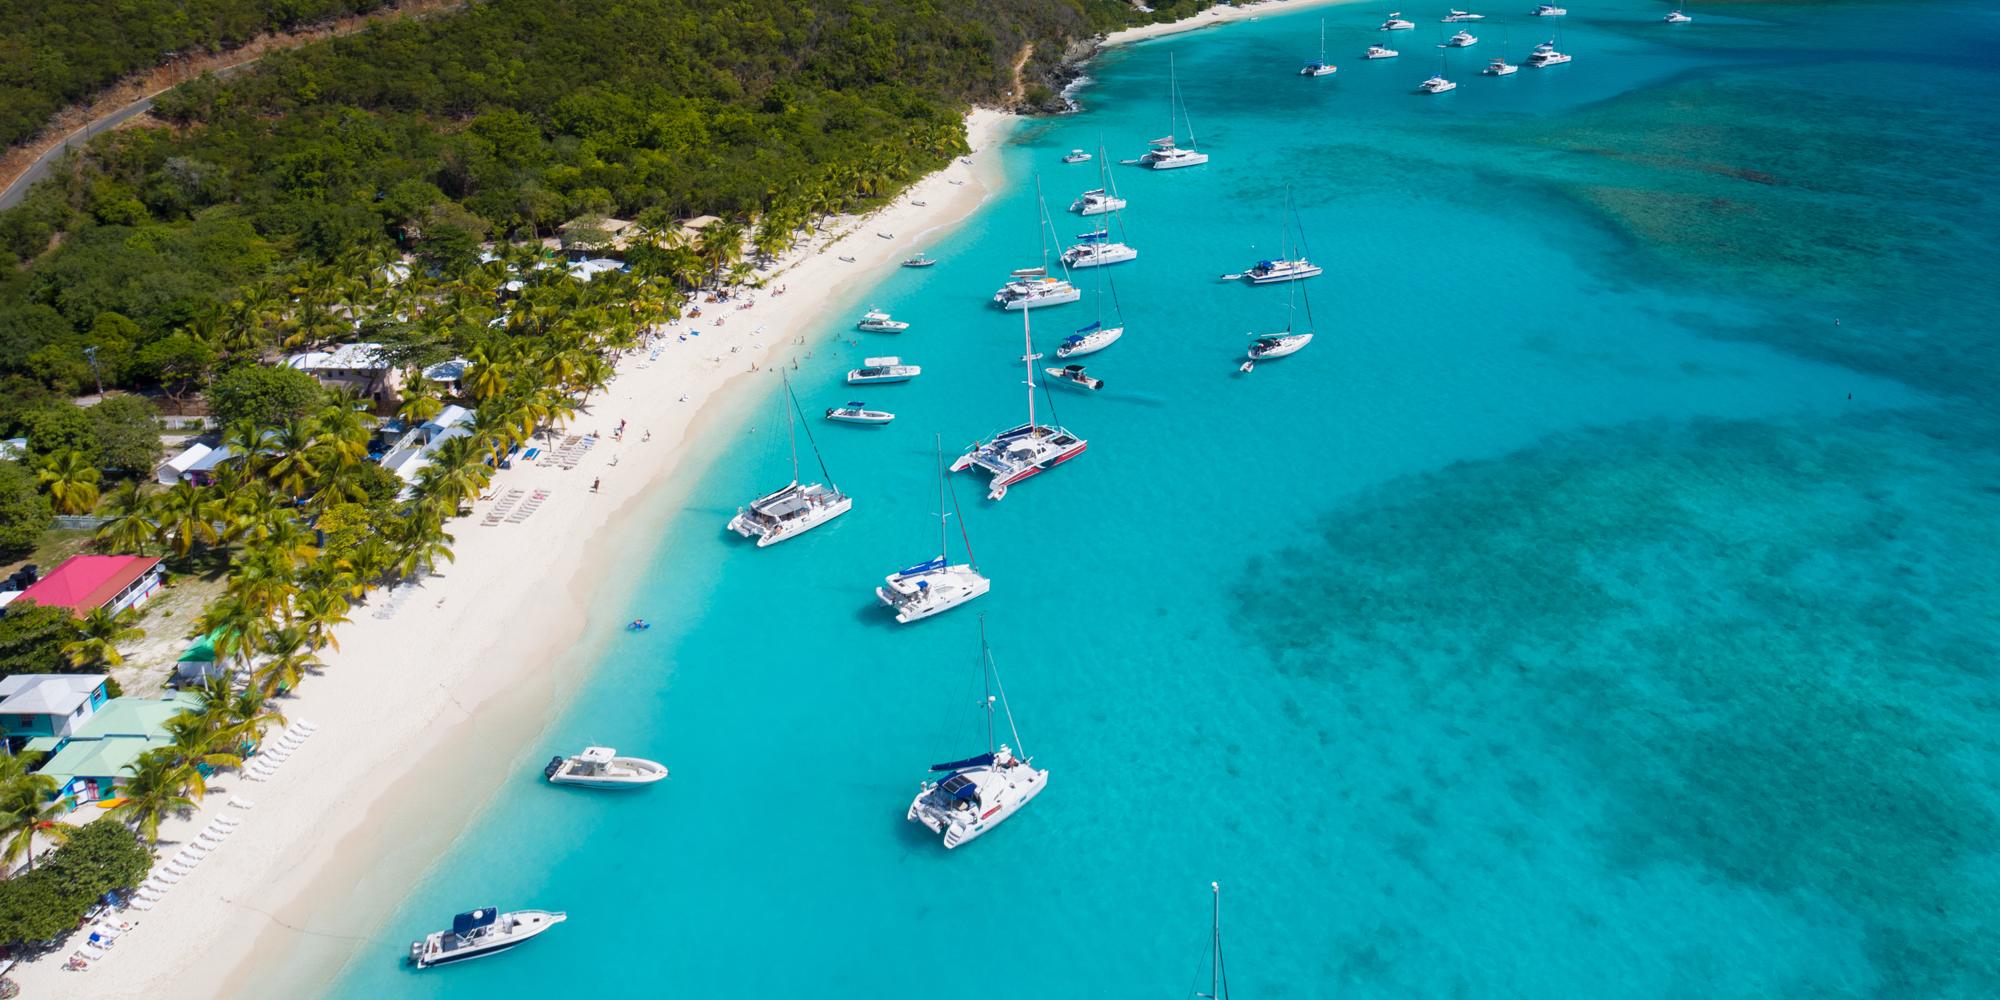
(960, 787)
(1102, 234)
(924, 567)
(1264, 265)
(1087, 329)
(466, 923)
(979, 761)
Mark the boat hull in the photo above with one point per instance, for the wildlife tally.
(956, 835)
(1039, 302)
(962, 585)
(769, 535)
(1278, 279)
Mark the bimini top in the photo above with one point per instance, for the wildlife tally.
(881, 362)
(960, 787)
(466, 923)
(979, 761)
(598, 755)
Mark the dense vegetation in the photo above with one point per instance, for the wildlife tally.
(58, 52)
(48, 901)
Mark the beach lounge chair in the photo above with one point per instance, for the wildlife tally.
(227, 820)
(241, 803)
(143, 903)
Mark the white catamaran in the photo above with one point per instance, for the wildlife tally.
(980, 793)
(1025, 451)
(1103, 198)
(1319, 67)
(799, 507)
(1032, 287)
(934, 586)
(1165, 154)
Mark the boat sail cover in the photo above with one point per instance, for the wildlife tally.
(924, 567)
(1081, 330)
(979, 761)
(1096, 237)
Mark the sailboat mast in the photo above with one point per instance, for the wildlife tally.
(986, 677)
(1028, 362)
(792, 427)
(1217, 979)
(943, 543)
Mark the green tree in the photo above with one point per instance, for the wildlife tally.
(71, 480)
(32, 637)
(98, 637)
(131, 527)
(263, 396)
(156, 788)
(50, 901)
(24, 512)
(28, 808)
(127, 432)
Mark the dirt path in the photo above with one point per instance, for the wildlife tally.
(21, 166)
(1019, 91)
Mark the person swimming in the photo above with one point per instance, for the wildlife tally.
(638, 625)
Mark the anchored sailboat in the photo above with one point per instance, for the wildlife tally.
(1096, 336)
(1103, 198)
(797, 508)
(1033, 286)
(1278, 345)
(931, 587)
(1322, 67)
(981, 792)
(1097, 248)
(1165, 155)
(1024, 451)
(1218, 972)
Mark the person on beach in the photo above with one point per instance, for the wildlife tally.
(593, 484)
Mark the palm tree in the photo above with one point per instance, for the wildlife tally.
(98, 636)
(157, 789)
(131, 526)
(291, 651)
(318, 611)
(186, 516)
(247, 443)
(28, 806)
(295, 466)
(199, 746)
(71, 480)
(419, 406)
(233, 625)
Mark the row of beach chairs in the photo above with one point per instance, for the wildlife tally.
(274, 753)
(504, 505)
(528, 507)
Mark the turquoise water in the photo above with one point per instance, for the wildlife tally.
(1585, 613)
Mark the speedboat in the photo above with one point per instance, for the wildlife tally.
(1545, 54)
(482, 932)
(1166, 156)
(1035, 291)
(1396, 22)
(883, 371)
(1461, 40)
(858, 413)
(1089, 340)
(601, 767)
(1097, 250)
(1096, 203)
(1459, 15)
(1436, 85)
(1270, 272)
(1380, 52)
(1549, 10)
(798, 507)
(1677, 17)
(979, 793)
(1077, 156)
(1073, 375)
(1500, 67)
(877, 321)
(1278, 345)
(919, 261)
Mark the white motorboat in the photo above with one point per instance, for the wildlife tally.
(1677, 17)
(1096, 202)
(1459, 15)
(1271, 272)
(1500, 67)
(1396, 22)
(919, 261)
(1461, 40)
(1089, 340)
(1026, 451)
(1436, 85)
(877, 321)
(883, 371)
(1319, 67)
(1073, 375)
(1076, 156)
(938, 585)
(1096, 250)
(601, 767)
(1165, 154)
(1549, 10)
(482, 932)
(1380, 52)
(979, 793)
(798, 507)
(1545, 55)
(858, 413)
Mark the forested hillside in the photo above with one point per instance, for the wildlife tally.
(56, 52)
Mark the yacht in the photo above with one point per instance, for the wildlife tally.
(479, 933)
(883, 371)
(877, 321)
(1549, 10)
(1321, 67)
(1034, 287)
(1396, 22)
(1677, 17)
(1380, 52)
(797, 508)
(1089, 340)
(858, 413)
(1165, 154)
(601, 767)
(1436, 85)
(1096, 202)
(1073, 375)
(1097, 250)
(928, 588)
(1500, 67)
(1270, 272)
(1028, 450)
(1545, 54)
(979, 793)
(919, 261)
(1461, 40)
(1459, 15)
(1077, 156)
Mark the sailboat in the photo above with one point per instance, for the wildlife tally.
(1034, 286)
(934, 586)
(1025, 451)
(1321, 67)
(1437, 84)
(1103, 198)
(1096, 336)
(1278, 345)
(1165, 155)
(1097, 248)
(798, 507)
(982, 792)
(1218, 972)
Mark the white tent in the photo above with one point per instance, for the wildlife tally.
(172, 469)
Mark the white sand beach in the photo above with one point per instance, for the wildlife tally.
(1212, 17)
(416, 703)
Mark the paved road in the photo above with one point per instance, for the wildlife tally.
(40, 168)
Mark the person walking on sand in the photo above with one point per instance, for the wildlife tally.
(593, 484)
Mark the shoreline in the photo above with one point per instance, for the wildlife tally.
(1210, 18)
(345, 826)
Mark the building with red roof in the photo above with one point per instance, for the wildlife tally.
(85, 583)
